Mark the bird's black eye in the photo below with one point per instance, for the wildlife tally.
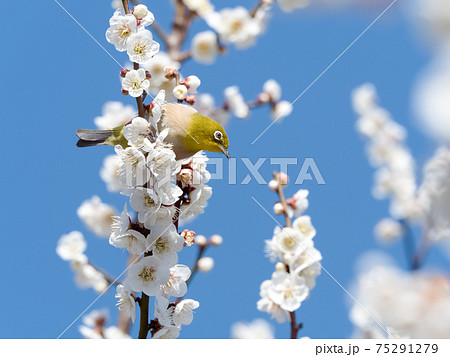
(218, 135)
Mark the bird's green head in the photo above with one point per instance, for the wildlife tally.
(206, 134)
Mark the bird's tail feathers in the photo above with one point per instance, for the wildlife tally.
(92, 137)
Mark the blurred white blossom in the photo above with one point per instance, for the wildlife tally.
(257, 329)
(410, 305)
(97, 216)
(71, 246)
(114, 114)
(204, 47)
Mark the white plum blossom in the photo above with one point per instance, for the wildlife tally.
(235, 102)
(132, 240)
(141, 47)
(183, 313)
(147, 275)
(287, 290)
(434, 196)
(121, 28)
(235, 25)
(199, 199)
(299, 202)
(435, 17)
(114, 114)
(137, 131)
(170, 332)
(136, 82)
(176, 286)
(162, 163)
(298, 261)
(303, 225)
(430, 96)
(87, 276)
(267, 305)
(126, 301)
(156, 67)
(395, 175)
(286, 244)
(180, 314)
(412, 305)
(291, 5)
(201, 7)
(133, 170)
(166, 244)
(204, 47)
(71, 246)
(364, 99)
(145, 202)
(156, 106)
(97, 216)
(109, 173)
(160, 219)
(257, 329)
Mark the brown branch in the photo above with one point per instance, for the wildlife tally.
(144, 326)
(180, 26)
(282, 199)
(294, 326)
(125, 6)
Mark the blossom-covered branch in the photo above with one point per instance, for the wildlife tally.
(298, 261)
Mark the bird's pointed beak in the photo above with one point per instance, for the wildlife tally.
(225, 151)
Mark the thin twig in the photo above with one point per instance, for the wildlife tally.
(282, 199)
(144, 326)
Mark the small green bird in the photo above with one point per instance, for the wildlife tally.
(189, 133)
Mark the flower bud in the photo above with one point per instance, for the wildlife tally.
(263, 98)
(140, 11)
(205, 264)
(283, 178)
(273, 185)
(180, 92)
(193, 82)
(123, 72)
(185, 177)
(124, 92)
(281, 110)
(216, 239)
(188, 237)
(201, 241)
(280, 266)
(170, 72)
(148, 75)
(273, 89)
(278, 208)
(190, 99)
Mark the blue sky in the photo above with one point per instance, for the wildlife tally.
(55, 79)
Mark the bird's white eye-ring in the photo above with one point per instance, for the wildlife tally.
(218, 135)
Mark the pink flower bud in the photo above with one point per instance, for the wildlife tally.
(190, 99)
(170, 72)
(123, 72)
(148, 75)
(124, 92)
